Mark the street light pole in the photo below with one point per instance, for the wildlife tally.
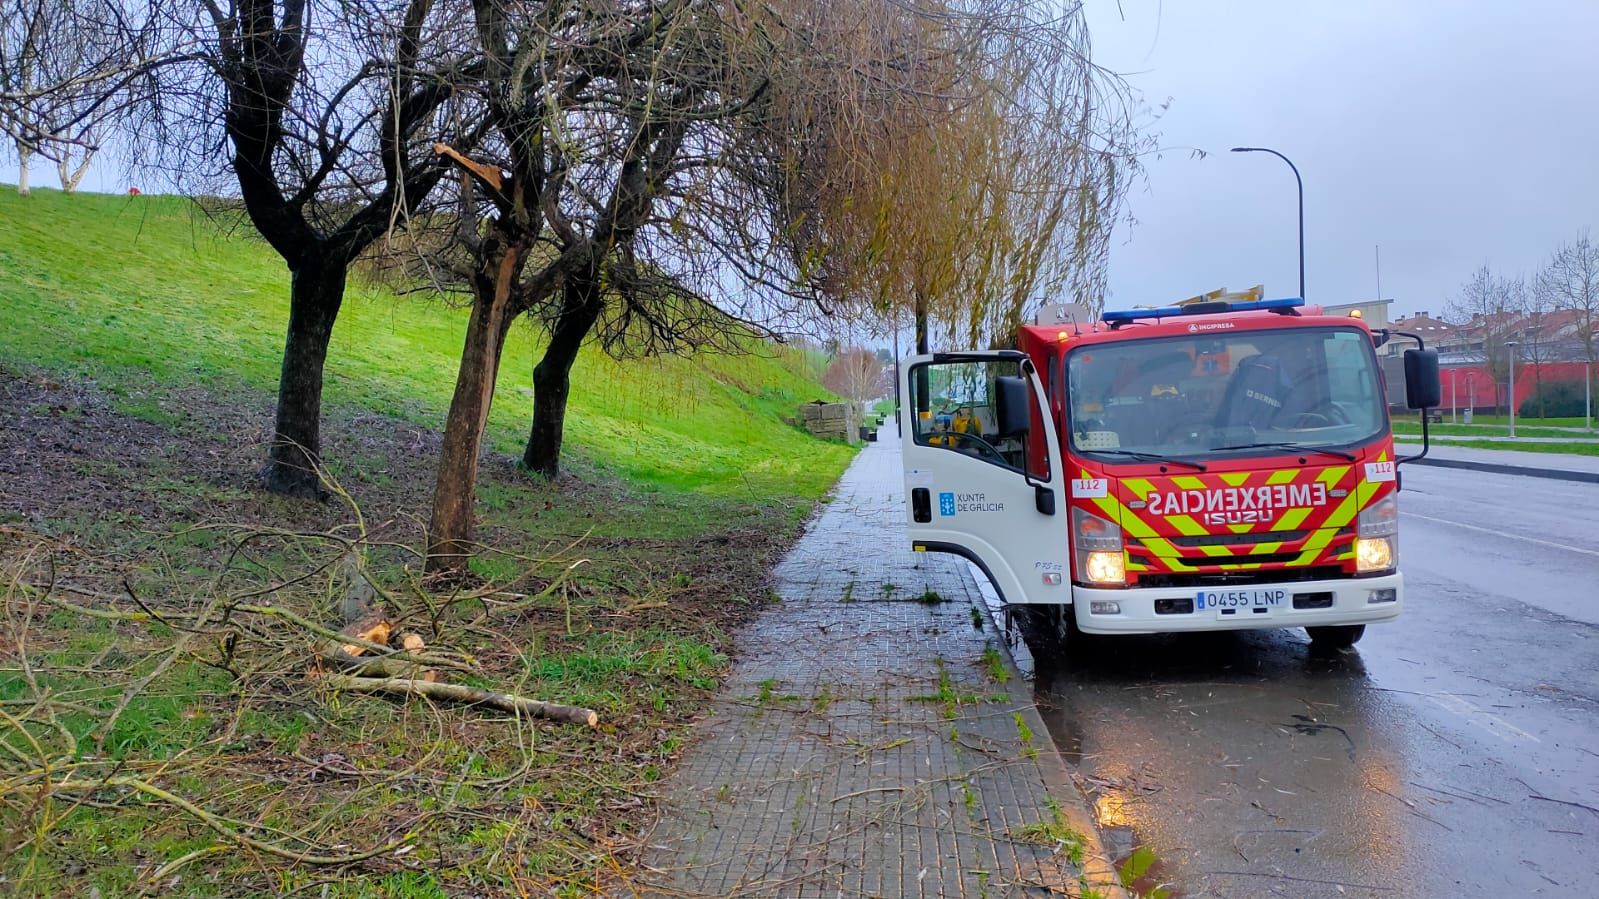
(1300, 182)
(1510, 345)
(1454, 393)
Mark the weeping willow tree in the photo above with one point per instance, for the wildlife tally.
(973, 175)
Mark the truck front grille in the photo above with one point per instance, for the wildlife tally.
(1240, 539)
(1237, 578)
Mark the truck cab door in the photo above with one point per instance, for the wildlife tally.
(983, 473)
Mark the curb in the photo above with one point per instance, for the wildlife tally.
(1555, 474)
(1099, 869)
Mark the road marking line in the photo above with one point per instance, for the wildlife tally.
(1488, 721)
(1498, 533)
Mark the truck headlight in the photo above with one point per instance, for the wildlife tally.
(1098, 545)
(1105, 568)
(1374, 554)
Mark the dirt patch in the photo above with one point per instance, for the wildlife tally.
(70, 446)
(140, 495)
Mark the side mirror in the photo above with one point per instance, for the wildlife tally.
(1422, 388)
(1011, 409)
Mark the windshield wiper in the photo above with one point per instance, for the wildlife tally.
(1289, 445)
(1151, 457)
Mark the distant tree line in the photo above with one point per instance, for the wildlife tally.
(644, 176)
(1517, 320)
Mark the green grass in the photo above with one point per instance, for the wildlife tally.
(994, 664)
(128, 290)
(1577, 449)
(1523, 429)
(139, 300)
(1054, 830)
(1501, 420)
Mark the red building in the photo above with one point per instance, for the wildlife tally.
(1546, 346)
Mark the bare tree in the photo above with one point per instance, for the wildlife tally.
(1571, 281)
(855, 373)
(61, 62)
(590, 203)
(636, 186)
(325, 122)
(24, 28)
(1493, 308)
(651, 171)
(1538, 334)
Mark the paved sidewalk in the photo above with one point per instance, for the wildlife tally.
(1558, 466)
(862, 745)
(1578, 437)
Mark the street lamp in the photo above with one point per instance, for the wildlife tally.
(1510, 346)
(1301, 183)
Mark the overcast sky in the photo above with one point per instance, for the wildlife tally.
(1450, 134)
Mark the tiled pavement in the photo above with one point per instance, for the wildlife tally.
(861, 746)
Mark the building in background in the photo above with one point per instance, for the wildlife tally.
(1373, 312)
(1548, 349)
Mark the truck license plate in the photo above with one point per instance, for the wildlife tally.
(1239, 603)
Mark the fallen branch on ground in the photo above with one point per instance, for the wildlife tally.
(334, 656)
(219, 824)
(507, 702)
(432, 661)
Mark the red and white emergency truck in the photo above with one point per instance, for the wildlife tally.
(1209, 466)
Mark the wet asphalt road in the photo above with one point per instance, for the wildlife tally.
(1454, 752)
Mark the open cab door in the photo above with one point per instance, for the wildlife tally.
(983, 473)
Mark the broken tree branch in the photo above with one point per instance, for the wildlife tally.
(507, 702)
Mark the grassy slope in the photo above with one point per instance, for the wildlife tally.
(119, 287)
(143, 297)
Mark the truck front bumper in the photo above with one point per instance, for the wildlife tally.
(1157, 610)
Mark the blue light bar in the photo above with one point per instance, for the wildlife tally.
(1280, 305)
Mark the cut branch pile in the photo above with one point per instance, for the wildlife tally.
(66, 749)
(370, 665)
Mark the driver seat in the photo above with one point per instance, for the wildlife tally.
(1255, 395)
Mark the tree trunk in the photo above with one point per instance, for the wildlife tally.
(72, 177)
(1537, 386)
(450, 532)
(24, 156)
(923, 401)
(581, 305)
(315, 294)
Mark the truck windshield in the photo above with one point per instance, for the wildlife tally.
(1217, 394)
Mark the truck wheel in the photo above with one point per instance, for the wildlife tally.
(1059, 624)
(1069, 631)
(1041, 627)
(1339, 636)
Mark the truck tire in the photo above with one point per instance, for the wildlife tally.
(1339, 636)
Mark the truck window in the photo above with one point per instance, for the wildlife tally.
(957, 408)
(1208, 393)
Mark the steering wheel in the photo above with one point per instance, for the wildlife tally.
(1326, 415)
(983, 447)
